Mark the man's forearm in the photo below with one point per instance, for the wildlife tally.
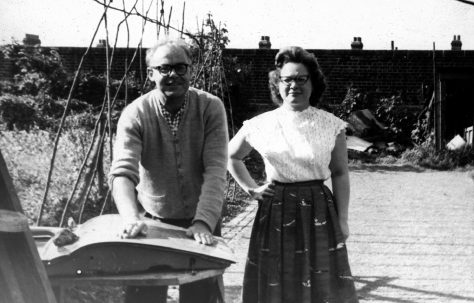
(123, 191)
(211, 199)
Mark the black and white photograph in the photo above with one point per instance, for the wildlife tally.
(213, 151)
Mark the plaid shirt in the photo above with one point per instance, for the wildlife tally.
(173, 120)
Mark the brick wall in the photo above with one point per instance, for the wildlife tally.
(371, 70)
(95, 61)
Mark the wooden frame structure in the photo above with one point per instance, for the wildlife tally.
(23, 278)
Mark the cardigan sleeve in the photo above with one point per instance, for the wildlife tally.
(127, 147)
(216, 138)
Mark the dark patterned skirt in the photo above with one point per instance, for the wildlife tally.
(297, 252)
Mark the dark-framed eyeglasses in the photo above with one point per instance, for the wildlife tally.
(300, 79)
(166, 69)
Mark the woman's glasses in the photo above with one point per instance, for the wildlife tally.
(299, 80)
(166, 69)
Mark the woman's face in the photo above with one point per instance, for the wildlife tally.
(295, 86)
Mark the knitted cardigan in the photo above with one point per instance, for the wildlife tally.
(180, 177)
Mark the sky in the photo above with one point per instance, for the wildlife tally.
(313, 24)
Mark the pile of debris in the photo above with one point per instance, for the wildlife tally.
(365, 134)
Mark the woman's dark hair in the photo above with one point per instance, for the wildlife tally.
(297, 54)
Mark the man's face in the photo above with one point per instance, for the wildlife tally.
(171, 85)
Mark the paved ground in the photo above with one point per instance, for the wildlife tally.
(412, 236)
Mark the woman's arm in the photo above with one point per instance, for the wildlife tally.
(340, 181)
(238, 149)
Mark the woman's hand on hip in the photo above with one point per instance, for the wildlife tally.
(264, 191)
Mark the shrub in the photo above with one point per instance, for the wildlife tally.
(400, 121)
(27, 112)
(91, 88)
(37, 70)
(426, 155)
(353, 101)
(6, 87)
(17, 112)
(388, 109)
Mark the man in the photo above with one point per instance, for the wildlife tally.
(170, 158)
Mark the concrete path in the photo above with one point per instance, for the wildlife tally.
(412, 236)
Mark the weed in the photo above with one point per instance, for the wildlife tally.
(27, 155)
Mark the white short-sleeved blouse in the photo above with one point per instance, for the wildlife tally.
(295, 145)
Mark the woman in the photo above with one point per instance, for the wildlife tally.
(297, 251)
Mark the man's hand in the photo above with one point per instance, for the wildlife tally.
(201, 233)
(133, 228)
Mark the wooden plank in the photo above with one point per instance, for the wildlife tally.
(12, 221)
(9, 286)
(145, 279)
(22, 274)
(8, 198)
(469, 135)
(27, 270)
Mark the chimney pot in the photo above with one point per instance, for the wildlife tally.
(264, 43)
(357, 43)
(456, 44)
(31, 40)
(102, 43)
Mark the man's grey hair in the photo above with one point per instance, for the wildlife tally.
(180, 43)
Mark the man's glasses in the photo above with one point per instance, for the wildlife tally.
(166, 69)
(300, 80)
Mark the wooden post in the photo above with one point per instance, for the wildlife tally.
(436, 104)
(23, 277)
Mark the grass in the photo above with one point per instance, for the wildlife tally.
(27, 156)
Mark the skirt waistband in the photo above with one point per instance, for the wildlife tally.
(302, 183)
